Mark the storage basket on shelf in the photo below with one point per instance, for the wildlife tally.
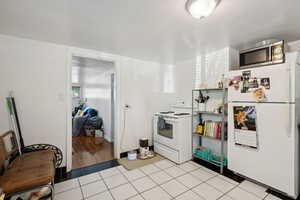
(206, 154)
(202, 152)
(216, 158)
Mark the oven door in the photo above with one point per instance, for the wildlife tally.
(256, 57)
(165, 131)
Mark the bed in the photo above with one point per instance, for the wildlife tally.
(86, 119)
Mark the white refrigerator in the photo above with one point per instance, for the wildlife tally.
(263, 140)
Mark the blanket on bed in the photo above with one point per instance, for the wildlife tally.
(80, 123)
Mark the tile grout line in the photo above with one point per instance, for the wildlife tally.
(191, 189)
(68, 189)
(80, 190)
(156, 184)
(94, 182)
(146, 175)
(107, 186)
(175, 178)
(215, 175)
(102, 179)
(138, 193)
(235, 186)
(79, 185)
(254, 193)
(225, 193)
(159, 185)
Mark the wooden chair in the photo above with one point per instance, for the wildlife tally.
(26, 172)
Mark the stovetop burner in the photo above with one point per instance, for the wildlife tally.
(180, 114)
(167, 112)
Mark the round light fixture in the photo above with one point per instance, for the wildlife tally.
(201, 8)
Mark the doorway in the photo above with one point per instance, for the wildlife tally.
(93, 111)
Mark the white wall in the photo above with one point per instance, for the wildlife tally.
(36, 73)
(185, 81)
(142, 91)
(147, 88)
(39, 74)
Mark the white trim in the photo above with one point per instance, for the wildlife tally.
(294, 46)
(72, 51)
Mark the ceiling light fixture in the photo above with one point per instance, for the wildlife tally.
(201, 8)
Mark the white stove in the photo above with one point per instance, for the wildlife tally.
(172, 135)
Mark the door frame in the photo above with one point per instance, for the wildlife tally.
(112, 104)
(117, 114)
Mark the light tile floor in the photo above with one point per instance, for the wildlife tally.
(163, 180)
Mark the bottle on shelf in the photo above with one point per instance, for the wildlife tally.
(200, 126)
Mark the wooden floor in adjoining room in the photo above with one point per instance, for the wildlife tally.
(90, 150)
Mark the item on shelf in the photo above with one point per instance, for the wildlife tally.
(208, 155)
(202, 98)
(202, 152)
(220, 84)
(216, 158)
(200, 127)
(213, 104)
(220, 109)
(212, 129)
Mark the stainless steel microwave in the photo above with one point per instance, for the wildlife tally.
(268, 54)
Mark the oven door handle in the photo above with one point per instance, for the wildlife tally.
(170, 120)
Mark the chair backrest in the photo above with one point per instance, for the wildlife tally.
(9, 143)
(2, 157)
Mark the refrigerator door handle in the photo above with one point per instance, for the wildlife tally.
(289, 124)
(290, 84)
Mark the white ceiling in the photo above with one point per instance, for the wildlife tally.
(156, 30)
